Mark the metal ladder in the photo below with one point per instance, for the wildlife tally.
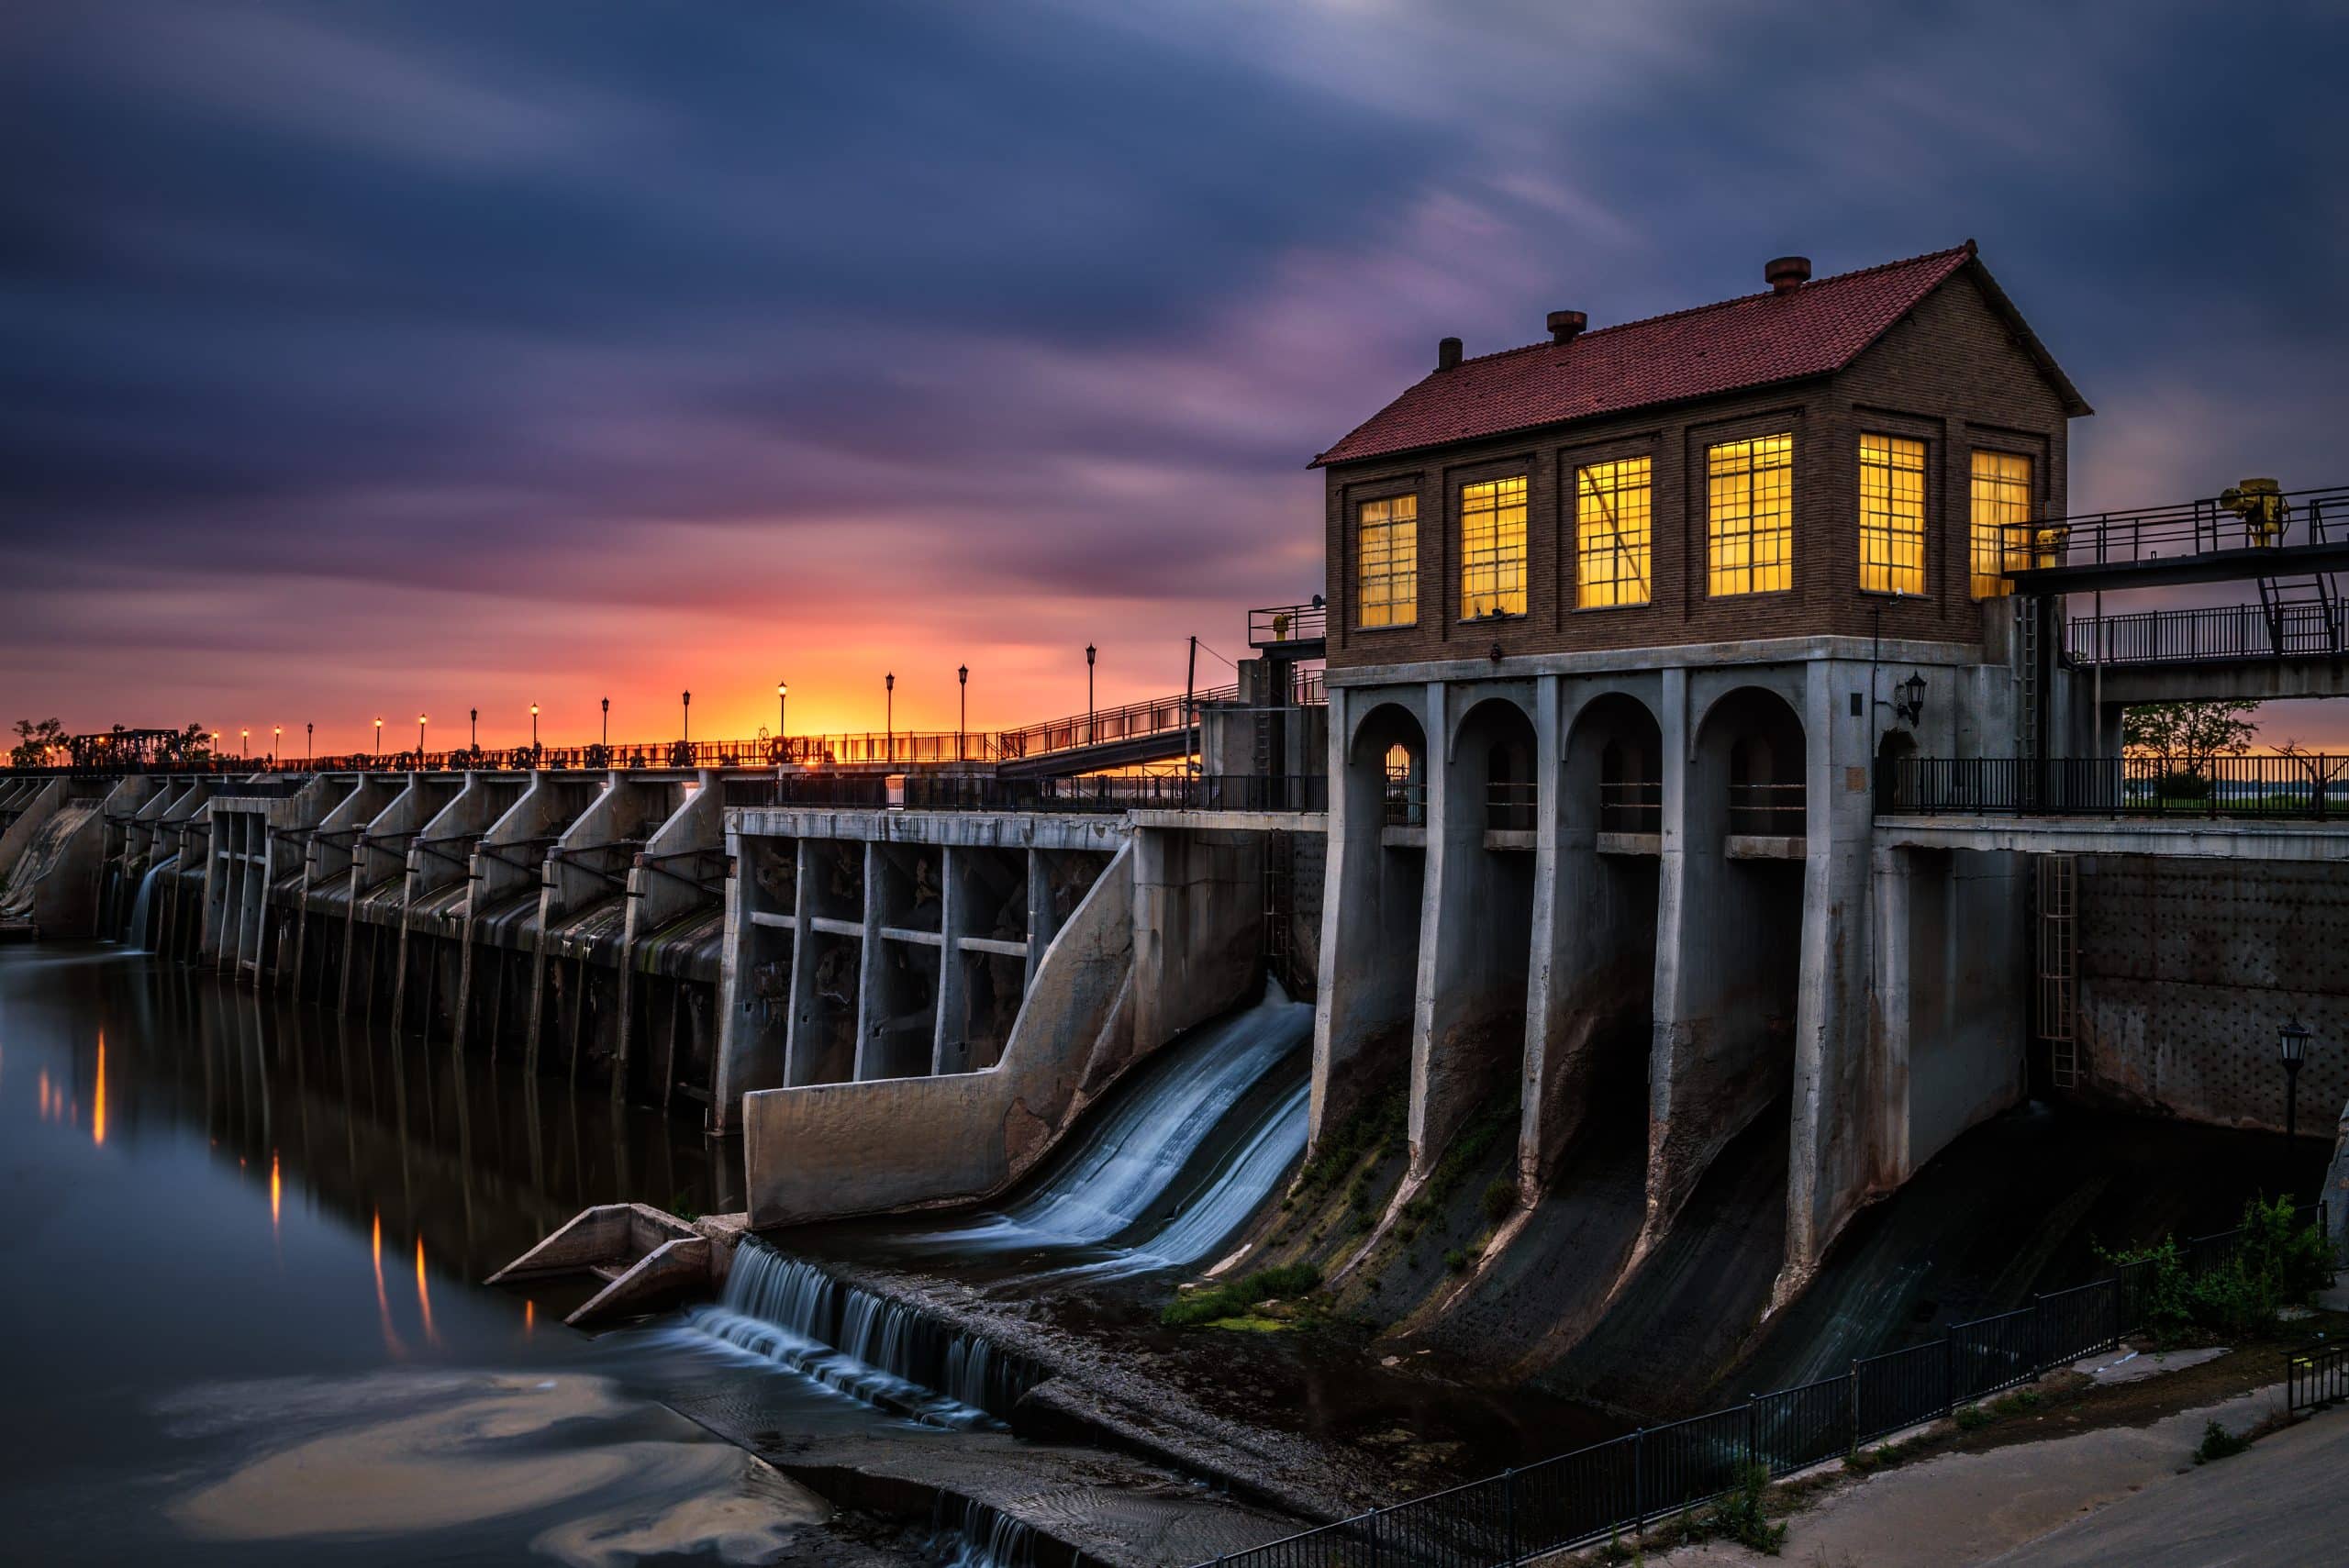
(1280, 910)
(2303, 614)
(2058, 893)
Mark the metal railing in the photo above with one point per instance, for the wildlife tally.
(1773, 810)
(2207, 636)
(2316, 1375)
(1405, 804)
(1104, 793)
(1287, 623)
(1629, 1482)
(1159, 716)
(1509, 806)
(1630, 806)
(2297, 787)
(2180, 528)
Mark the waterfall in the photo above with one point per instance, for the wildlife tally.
(136, 932)
(982, 1537)
(790, 1312)
(1123, 1167)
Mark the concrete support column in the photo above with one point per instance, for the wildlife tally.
(950, 1046)
(802, 1050)
(1888, 1020)
(1687, 875)
(1830, 1160)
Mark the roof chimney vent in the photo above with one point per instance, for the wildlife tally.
(1447, 354)
(1788, 273)
(1565, 324)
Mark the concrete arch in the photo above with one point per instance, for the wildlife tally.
(1751, 750)
(1383, 708)
(1612, 764)
(1477, 702)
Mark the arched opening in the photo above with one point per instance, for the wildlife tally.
(1896, 788)
(1600, 989)
(1371, 919)
(1763, 745)
(1483, 930)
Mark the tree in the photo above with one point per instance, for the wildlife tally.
(2187, 737)
(35, 742)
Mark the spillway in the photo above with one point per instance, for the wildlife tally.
(135, 933)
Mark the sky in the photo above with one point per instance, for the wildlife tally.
(375, 359)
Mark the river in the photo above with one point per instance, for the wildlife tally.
(241, 1323)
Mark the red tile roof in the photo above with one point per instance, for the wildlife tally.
(1751, 341)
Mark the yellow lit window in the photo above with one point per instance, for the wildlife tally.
(1750, 515)
(1611, 533)
(1892, 515)
(1492, 548)
(1386, 553)
(2001, 499)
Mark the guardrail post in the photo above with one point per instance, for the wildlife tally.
(1949, 1374)
(1638, 1495)
(1373, 1517)
(1752, 1428)
(1854, 1446)
(1509, 1511)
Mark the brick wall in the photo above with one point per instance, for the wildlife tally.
(2185, 969)
(1949, 374)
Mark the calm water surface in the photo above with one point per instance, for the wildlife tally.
(239, 1322)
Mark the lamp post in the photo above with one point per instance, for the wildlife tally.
(1088, 694)
(276, 734)
(379, 735)
(687, 702)
(782, 748)
(244, 744)
(963, 714)
(608, 724)
(889, 715)
(472, 733)
(419, 739)
(2292, 1045)
(309, 742)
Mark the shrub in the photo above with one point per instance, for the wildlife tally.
(1499, 1199)
(1233, 1298)
(1456, 1260)
(2278, 1263)
(2218, 1443)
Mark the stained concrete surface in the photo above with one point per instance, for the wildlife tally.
(2105, 1497)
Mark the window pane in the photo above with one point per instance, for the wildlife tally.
(1612, 529)
(1386, 553)
(1750, 518)
(1892, 515)
(2001, 499)
(1492, 548)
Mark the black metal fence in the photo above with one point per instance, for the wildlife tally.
(2212, 636)
(2187, 527)
(2304, 787)
(2316, 1375)
(1629, 1482)
(1104, 793)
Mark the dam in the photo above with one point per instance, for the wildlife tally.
(1692, 814)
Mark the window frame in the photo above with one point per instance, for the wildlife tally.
(1458, 485)
(2033, 465)
(1924, 512)
(1357, 503)
(1576, 465)
(1785, 427)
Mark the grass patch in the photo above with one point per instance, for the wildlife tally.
(1499, 1198)
(1376, 1126)
(1250, 1324)
(1742, 1517)
(1232, 1299)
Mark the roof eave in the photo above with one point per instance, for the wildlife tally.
(2075, 406)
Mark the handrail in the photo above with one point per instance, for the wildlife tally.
(2301, 787)
(2199, 527)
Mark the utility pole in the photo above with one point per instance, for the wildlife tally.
(1190, 709)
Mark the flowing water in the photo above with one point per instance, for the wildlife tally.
(242, 1326)
(137, 933)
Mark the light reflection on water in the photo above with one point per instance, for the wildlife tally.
(199, 1307)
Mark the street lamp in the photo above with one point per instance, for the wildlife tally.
(962, 714)
(889, 714)
(245, 744)
(608, 724)
(419, 739)
(276, 733)
(379, 735)
(1088, 694)
(472, 735)
(2292, 1045)
(534, 735)
(782, 690)
(688, 701)
(309, 742)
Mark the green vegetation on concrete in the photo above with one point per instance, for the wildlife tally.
(2218, 1443)
(1229, 1302)
(2280, 1261)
